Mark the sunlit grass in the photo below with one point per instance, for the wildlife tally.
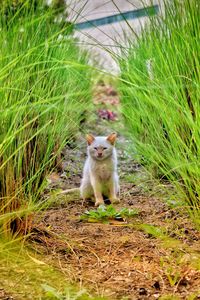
(30, 275)
(44, 91)
(160, 91)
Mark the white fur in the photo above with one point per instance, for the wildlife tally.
(100, 173)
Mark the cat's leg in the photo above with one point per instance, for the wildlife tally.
(86, 190)
(97, 191)
(114, 189)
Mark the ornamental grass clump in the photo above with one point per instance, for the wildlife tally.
(160, 88)
(44, 90)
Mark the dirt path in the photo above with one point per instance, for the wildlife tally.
(154, 255)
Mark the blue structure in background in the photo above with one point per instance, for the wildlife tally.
(129, 15)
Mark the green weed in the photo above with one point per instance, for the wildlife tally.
(171, 272)
(68, 294)
(105, 213)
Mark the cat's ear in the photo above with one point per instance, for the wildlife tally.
(90, 138)
(112, 138)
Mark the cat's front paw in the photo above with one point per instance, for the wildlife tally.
(99, 202)
(115, 200)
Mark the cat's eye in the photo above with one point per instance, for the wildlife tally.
(95, 148)
(105, 148)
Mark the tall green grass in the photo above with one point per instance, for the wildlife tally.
(160, 87)
(44, 90)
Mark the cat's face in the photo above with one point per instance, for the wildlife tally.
(101, 147)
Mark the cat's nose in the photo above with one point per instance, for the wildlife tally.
(100, 154)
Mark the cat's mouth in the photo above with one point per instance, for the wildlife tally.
(100, 157)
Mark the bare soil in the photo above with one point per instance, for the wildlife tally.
(155, 255)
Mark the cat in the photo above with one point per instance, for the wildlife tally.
(100, 178)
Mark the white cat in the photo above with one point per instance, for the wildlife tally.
(100, 177)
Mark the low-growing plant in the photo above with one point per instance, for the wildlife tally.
(52, 293)
(68, 294)
(171, 272)
(105, 213)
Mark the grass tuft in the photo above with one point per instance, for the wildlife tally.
(45, 88)
(160, 86)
